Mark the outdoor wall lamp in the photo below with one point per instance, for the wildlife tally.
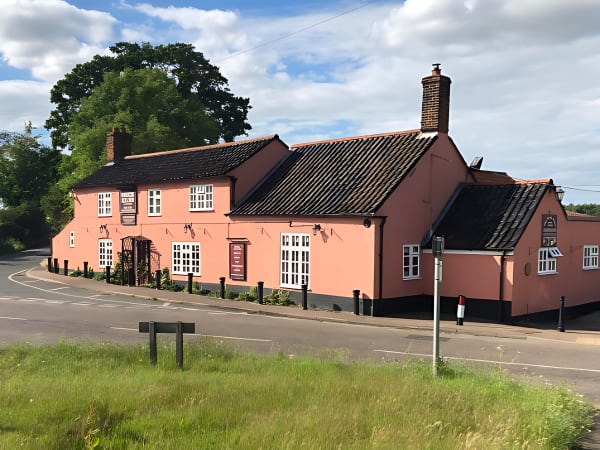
(186, 227)
(560, 193)
(316, 228)
(103, 228)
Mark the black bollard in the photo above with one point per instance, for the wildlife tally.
(355, 294)
(222, 282)
(260, 292)
(49, 263)
(561, 326)
(55, 265)
(157, 275)
(304, 297)
(107, 270)
(85, 269)
(66, 267)
(190, 281)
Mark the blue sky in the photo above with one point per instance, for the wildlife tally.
(525, 94)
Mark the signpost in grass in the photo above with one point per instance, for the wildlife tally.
(152, 328)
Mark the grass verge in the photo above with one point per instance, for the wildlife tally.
(108, 396)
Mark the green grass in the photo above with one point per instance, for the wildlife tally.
(75, 397)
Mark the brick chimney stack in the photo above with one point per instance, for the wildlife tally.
(118, 145)
(436, 101)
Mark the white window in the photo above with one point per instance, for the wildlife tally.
(295, 260)
(71, 239)
(104, 204)
(546, 262)
(201, 197)
(590, 256)
(411, 261)
(186, 258)
(154, 202)
(105, 253)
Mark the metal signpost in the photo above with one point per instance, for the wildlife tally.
(438, 249)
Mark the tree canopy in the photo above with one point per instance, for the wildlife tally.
(28, 170)
(196, 80)
(591, 209)
(147, 103)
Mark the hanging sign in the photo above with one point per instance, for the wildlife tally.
(549, 230)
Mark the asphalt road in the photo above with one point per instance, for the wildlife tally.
(37, 311)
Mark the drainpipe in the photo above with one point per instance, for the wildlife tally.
(381, 224)
(501, 287)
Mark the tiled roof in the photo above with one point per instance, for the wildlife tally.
(185, 164)
(488, 217)
(351, 176)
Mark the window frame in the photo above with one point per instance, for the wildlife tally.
(71, 239)
(103, 252)
(546, 262)
(414, 251)
(294, 260)
(201, 197)
(188, 260)
(590, 257)
(104, 204)
(155, 194)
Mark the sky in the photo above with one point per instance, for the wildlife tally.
(525, 89)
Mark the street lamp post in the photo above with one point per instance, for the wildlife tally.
(438, 249)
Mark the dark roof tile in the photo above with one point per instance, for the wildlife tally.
(488, 217)
(351, 176)
(186, 164)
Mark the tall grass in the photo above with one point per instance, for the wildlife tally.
(107, 396)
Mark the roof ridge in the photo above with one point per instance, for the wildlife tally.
(540, 181)
(355, 138)
(204, 147)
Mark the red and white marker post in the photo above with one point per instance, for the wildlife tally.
(460, 311)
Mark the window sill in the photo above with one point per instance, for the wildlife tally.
(547, 273)
(590, 268)
(411, 278)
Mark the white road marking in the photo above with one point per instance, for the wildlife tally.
(12, 318)
(55, 302)
(226, 313)
(205, 335)
(232, 337)
(30, 299)
(59, 288)
(487, 361)
(82, 304)
(8, 298)
(108, 306)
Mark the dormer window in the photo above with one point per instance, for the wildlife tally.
(201, 197)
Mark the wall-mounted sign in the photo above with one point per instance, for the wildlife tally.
(128, 202)
(128, 219)
(237, 261)
(549, 230)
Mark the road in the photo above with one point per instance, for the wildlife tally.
(37, 311)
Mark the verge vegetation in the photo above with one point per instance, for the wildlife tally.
(108, 396)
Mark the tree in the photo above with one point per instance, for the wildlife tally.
(591, 209)
(147, 103)
(28, 169)
(195, 78)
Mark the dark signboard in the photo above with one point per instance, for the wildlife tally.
(549, 230)
(128, 219)
(237, 261)
(128, 202)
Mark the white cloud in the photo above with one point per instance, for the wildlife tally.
(23, 101)
(48, 37)
(524, 92)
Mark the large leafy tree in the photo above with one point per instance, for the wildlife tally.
(27, 171)
(147, 103)
(194, 76)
